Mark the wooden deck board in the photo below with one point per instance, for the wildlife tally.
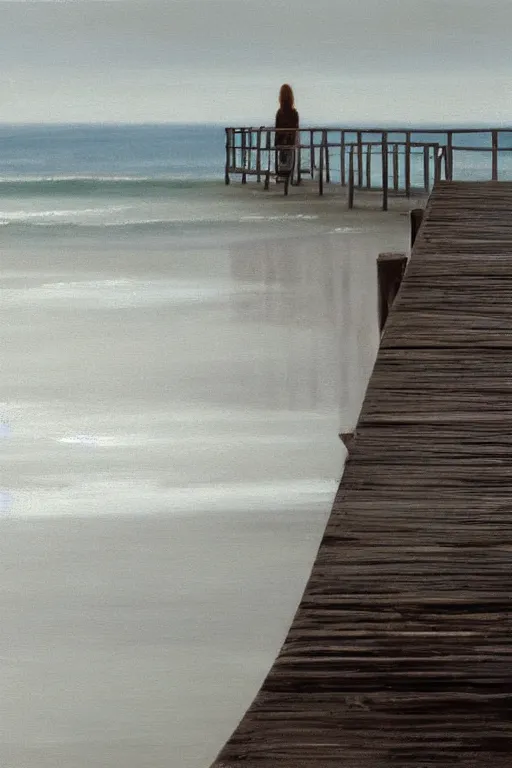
(400, 653)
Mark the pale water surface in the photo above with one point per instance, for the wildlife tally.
(174, 377)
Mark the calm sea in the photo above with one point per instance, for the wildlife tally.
(124, 152)
(93, 175)
(90, 176)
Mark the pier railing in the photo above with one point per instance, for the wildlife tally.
(393, 161)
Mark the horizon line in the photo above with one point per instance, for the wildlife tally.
(216, 124)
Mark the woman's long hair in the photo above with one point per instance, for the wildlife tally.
(286, 99)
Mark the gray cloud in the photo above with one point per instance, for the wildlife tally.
(51, 45)
(342, 36)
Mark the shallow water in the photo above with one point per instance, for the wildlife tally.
(172, 397)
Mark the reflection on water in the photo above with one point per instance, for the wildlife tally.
(281, 328)
(320, 294)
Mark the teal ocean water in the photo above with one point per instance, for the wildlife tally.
(91, 176)
(116, 152)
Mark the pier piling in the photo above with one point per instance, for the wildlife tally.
(390, 271)
(416, 217)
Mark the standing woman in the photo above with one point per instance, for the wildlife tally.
(286, 117)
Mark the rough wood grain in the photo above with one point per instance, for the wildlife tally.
(400, 653)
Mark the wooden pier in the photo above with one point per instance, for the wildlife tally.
(396, 162)
(400, 653)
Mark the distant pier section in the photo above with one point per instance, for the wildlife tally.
(396, 162)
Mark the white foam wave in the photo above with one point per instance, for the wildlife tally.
(102, 218)
(279, 217)
(72, 214)
(106, 178)
(123, 292)
(346, 231)
(137, 440)
(111, 496)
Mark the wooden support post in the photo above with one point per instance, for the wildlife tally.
(440, 154)
(342, 159)
(359, 159)
(249, 149)
(495, 155)
(299, 159)
(228, 150)
(416, 219)
(396, 168)
(258, 155)
(449, 155)
(351, 178)
(426, 167)
(369, 166)
(390, 271)
(233, 148)
(346, 438)
(408, 164)
(321, 170)
(325, 142)
(437, 164)
(268, 147)
(384, 171)
(312, 153)
(244, 158)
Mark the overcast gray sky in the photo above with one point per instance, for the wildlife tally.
(224, 60)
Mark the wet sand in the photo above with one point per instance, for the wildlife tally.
(170, 416)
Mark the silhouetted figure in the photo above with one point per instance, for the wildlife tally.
(286, 117)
